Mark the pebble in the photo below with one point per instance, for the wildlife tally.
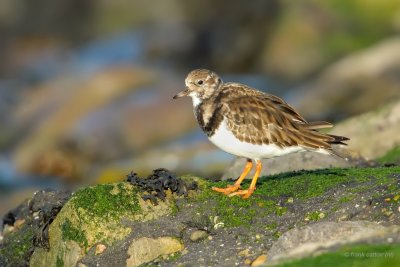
(244, 253)
(247, 262)
(18, 223)
(198, 235)
(100, 249)
(260, 260)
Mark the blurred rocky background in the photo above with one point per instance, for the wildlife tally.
(86, 86)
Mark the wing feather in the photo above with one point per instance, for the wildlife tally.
(263, 119)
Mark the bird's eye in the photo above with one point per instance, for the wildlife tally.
(200, 82)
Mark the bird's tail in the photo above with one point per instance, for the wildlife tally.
(315, 125)
(338, 140)
(329, 138)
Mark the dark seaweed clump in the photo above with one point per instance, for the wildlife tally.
(158, 182)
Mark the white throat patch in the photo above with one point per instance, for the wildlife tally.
(196, 101)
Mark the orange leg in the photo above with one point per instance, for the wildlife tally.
(247, 193)
(232, 188)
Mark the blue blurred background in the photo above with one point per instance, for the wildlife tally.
(86, 86)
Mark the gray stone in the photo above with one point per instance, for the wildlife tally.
(321, 237)
(297, 161)
(357, 83)
(374, 133)
(198, 235)
(144, 250)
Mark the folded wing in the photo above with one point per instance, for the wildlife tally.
(266, 119)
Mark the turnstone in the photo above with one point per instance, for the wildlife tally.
(249, 123)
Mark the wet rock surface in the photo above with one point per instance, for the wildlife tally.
(107, 224)
(28, 226)
(327, 236)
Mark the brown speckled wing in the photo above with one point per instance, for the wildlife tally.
(266, 119)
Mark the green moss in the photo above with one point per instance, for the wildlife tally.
(393, 188)
(107, 201)
(233, 211)
(174, 210)
(272, 226)
(60, 261)
(346, 199)
(308, 184)
(173, 256)
(16, 247)
(277, 234)
(357, 256)
(315, 216)
(303, 185)
(69, 232)
(280, 211)
(392, 156)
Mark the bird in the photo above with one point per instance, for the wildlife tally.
(249, 123)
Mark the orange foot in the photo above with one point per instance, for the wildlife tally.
(243, 193)
(228, 190)
(232, 188)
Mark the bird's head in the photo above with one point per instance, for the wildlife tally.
(200, 85)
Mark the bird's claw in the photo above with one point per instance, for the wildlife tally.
(228, 190)
(243, 193)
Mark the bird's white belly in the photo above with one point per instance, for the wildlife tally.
(225, 140)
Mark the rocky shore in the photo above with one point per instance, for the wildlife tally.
(291, 216)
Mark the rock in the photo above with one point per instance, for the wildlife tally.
(16, 246)
(374, 133)
(116, 217)
(100, 248)
(198, 235)
(54, 146)
(260, 260)
(144, 250)
(306, 39)
(95, 215)
(321, 237)
(358, 83)
(295, 162)
(244, 253)
(247, 262)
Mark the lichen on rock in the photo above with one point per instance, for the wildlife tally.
(95, 214)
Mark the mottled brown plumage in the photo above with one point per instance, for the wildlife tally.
(259, 118)
(253, 117)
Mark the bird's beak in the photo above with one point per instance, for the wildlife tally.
(185, 92)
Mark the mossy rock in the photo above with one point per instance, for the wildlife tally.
(16, 247)
(115, 216)
(275, 194)
(95, 215)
